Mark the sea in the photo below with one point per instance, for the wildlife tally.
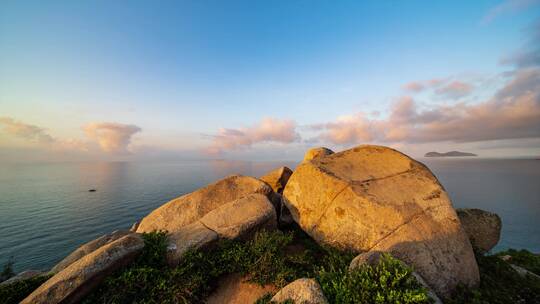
(46, 210)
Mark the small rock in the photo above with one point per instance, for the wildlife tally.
(277, 179)
(305, 291)
(317, 153)
(135, 226)
(482, 227)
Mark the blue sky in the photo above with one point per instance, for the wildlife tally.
(187, 73)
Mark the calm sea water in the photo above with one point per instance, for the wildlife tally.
(46, 210)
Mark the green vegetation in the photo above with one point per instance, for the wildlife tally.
(15, 292)
(499, 283)
(389, 282)
(524, 258)
(269, 258)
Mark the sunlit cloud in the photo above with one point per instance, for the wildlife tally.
(25, 131)
(455, 89)
(111, 137)
(268, 130)
(419, 86)
(513, 112)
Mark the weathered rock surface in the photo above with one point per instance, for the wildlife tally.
(241, 217)
(72, 283)
(235, 289)
(88, 248)
(482, 227)
(192, 236)
(372, 258)
(25, 275)
(238, 219)
(301, 291)
(376, 198)
(191, 207)
(316, 153)
(277, 179)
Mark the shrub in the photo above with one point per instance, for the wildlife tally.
(499, 283)
(17, 291)
(389, 282)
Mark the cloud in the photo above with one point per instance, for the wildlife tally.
(455, 89)
(414, 86)
(512, 112)
(508, 6)
(111, 137)
(529, 54)
(268, 130)
(419, 86)
(25, 131)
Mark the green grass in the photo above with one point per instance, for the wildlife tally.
(499, 283)
(15, 292)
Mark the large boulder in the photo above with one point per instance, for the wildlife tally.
(305, 291)
(277, 179)
(315, 153)
(482, 227)
(238, 219)
(88, 248)
(72, 283)
(376, 198)
(191, 207)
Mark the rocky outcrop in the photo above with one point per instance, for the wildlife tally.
(315, 153)
(482, 227)
(238, 219)
(71, 284)
(373, 258)
(305, 291)
(373, 198)
(88, 248)
(191, 207)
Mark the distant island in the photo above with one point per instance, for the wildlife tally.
(449, 154)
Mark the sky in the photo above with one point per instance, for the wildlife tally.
(266, 80)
